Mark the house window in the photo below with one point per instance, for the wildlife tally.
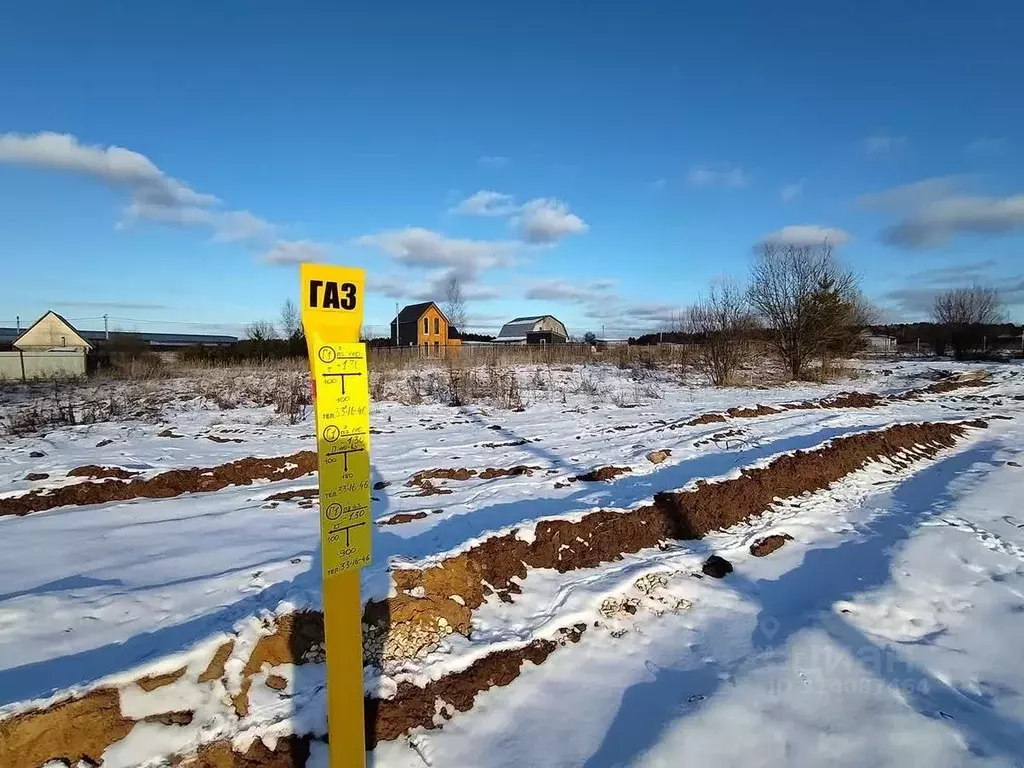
(426, 325)
(435, 344)
(437, 326)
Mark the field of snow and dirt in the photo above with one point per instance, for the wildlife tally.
(627, 570)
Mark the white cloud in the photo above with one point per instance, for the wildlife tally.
(563, 290)
(542, 220)
(113, 165)
(719, 175)
(242, 226)
(791, 192)
(486, 202)
(155, 196)
(392, 286)
(985, 146)
(908, 197)
(933, 211)
(935, 223)
(294, 252)
(806, 234)
(881, 143)
(545, 220)
(418, 247)
(492, 161)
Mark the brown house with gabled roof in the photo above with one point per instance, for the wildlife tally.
(424, 325)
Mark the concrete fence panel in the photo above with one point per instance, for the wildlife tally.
(42, 364)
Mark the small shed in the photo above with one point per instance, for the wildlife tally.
(876, 342)
(51, 331)
(50, 349)
(536, 329)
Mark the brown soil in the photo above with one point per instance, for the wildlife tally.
(152, 682)
(95, 472)
(705, 418)
(427, 488)
(215, 670)
(769, 544)
(851, 400)
(440, 474)
(73, 731)
(402, 517)
(295, 638)
(165, 485)
(947, 385)
(288, 752)
(840, 400)
(415, 707)
(600, 474)
(752, 412)
(300, 493)
(657, 457)
(604, 536)
(276, 682)
(171, 718)
(520, 469)
(716, 567)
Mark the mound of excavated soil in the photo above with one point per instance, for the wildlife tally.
(77, 730)
(840, 400)
(604, 536)
(601, 474)
(165, 485)
(769, 544)
(516, 471)
(415, 707)
(716, 567)
(298, 493)
(657, 457)
(402, 517)
(288, 752)
(94, 472)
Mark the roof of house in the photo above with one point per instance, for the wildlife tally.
(60, 317)
(412, 312)
(8, 335)
(520, 326)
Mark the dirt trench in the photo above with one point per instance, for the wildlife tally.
(411, 707)
(496, 565)
(165, 485)
(840, 400)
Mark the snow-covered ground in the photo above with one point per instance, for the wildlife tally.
(886, 631)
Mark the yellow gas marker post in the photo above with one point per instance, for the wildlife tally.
(331, 299)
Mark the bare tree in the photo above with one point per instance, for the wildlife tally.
(977, 305)
(805, 298)
(289, 322)
(454, 302)
(261, 330)
(722, 320)
(963, 312)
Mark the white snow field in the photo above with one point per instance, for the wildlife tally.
(887, 630)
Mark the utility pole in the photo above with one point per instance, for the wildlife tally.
(396, 323)
(106, 331)
(17, 322)
(918, 346)
(602, 332)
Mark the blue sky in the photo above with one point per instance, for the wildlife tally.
(168, 164)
